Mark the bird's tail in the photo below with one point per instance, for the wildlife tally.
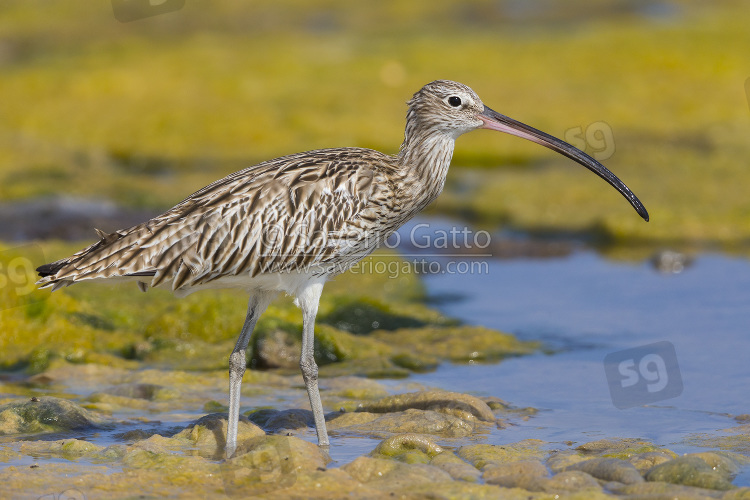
(95, 261)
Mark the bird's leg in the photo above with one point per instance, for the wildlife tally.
(308, 301)
(237, 363)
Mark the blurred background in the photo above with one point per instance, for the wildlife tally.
(143, 113)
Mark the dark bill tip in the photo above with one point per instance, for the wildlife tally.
(496, 121)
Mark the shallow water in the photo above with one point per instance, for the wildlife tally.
(585, 307)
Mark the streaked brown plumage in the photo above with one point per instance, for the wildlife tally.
(326, 200)
(288, 224)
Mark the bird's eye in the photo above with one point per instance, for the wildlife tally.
(454, 101)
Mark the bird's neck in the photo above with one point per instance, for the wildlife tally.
(424, 160)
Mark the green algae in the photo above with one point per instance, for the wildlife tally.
(364, 315)
(533, 476)
(645, 461)
(69, 449)
(359, 388)
(408, 421)
(457, 468)
(514, 474)
(457, 343)
(209, 433)
(689, 471)
(724, 463)
(189, 463)
(655, 489)
(45, 414)
(460, 405)
(483, 455)
(736, 441)
(197, 333)
(608, 469)
(393, 474)
(622, 448)
(407, 448)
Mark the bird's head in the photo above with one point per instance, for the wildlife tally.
(447, 107)
(453, 109)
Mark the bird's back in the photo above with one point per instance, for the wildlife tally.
(318, 211)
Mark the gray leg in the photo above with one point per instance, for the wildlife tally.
(237, 363)
(308, 300)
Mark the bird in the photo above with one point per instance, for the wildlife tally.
(289, 224)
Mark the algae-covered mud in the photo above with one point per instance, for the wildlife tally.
(127, 396)
(433, 448)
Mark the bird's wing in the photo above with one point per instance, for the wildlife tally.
(311, 209)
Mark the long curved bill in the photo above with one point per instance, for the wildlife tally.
(495, 121)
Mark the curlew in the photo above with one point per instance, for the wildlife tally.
(288, 224)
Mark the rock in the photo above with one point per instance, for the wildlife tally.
(307, 484)
(45, 414)
(609, 469)
(287, 420)
(620, 447)
(135, 435)
(210, 431)
(457, 468)
(409, 421)
(290, 452)
(532, 475)
(393, 475)
(483, 455)
(645, 461)
(450, 490)
(737, 494)
(344, 420)
(69, 449)
(276, 348)
(113, 452)
(405, 443)
(363, 315)
(268, 463)
(515, 474)
(354, 388)
(463, 406)
(376, 366)
(689, 471)
(456, 343)
(497, 405)
(659, 490)
(720, 463)
(569, 481)
(282, 421)
(557, 462)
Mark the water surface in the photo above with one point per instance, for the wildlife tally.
(584, 307)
